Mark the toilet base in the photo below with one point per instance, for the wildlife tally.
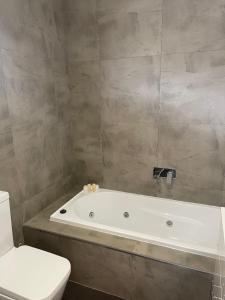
(58, 295)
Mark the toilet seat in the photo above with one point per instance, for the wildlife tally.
(28, 273)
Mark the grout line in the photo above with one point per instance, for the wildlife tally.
(194, 51)
(160, 76)
(100, 98)
(93, 288)
(140, 56)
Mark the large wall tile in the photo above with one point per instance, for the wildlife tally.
(193, 150)
(86, 136)
(32, 206)
(129, 34)
(37, 158)
(129, 155)
(136, 139)
(31, 101)
(18, 33)
(10, 181)
(77, 28)
(193, 87)
(9, 175)
(4, 110)
(87, 168)
(41, 14)
(86, 121)
(84, 78)
(82, 36)
(130, 89)
(129, 173)
(62, 101)
(35, 122)
(193, 26)
(17, 224)
(188, 193)
(16, 65)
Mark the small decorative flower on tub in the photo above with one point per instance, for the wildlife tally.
(90, 188)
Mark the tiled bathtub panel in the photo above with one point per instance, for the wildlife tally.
(222, 274)
(122, 274)
(162, 281)
(94, 266)
(79, 292)
(105, 269)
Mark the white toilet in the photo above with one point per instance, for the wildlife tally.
(27, 273)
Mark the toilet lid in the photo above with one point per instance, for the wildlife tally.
(28, 273)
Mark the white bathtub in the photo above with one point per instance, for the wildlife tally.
(181, 225)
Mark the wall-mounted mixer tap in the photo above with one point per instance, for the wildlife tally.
(168, 174)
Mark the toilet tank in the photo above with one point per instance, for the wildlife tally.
(6, 236)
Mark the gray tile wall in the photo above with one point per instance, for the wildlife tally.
(101, 90)
(34, 99)
(148, 85)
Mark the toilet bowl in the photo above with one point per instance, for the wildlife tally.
(27, 273)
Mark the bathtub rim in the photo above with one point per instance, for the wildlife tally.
(81, 192)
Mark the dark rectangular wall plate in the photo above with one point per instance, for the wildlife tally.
(162, 172)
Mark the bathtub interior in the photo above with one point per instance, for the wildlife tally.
(181, 225)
